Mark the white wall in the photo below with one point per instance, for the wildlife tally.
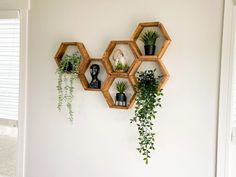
(232, 160)
(102, 143)
(14, 4)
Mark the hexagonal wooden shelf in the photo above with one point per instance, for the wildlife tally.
(110, 101)
(84, 79)
(82, 50)
(164, 39)
(165, 73)
(134, 49)
(107, 61)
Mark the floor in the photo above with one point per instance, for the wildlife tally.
(8, 149)
(7, 156)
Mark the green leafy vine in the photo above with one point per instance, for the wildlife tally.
(148, 98)
(67, 74)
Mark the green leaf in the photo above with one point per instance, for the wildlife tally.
(146, 102)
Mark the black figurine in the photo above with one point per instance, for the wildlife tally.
(94, 71)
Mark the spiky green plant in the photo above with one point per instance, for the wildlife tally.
(148, 98)
(149, 37)
(67, 74)
(121, 66)
(121, 86)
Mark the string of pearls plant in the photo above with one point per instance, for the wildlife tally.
(67, 74)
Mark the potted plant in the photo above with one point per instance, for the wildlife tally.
(120, 61)
(148, 98)
(149, 40)
(67, 74)
(120, 67)
(121, 99)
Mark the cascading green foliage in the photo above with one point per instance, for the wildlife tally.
(67, 74)
(148, 98)
(121, 86)
(149, 37)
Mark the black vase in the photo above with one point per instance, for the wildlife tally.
(149, 49)
(68, 68)
(121, 99)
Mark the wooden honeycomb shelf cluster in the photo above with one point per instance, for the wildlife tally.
(111, 75)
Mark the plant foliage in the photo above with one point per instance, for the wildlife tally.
(148, 98)
(149, 37)
(67, 74)
(121, 86)
(121, 66)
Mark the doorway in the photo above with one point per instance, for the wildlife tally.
(9, 91)
(226, 145)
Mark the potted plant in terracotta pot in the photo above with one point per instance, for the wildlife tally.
(67, 74)
(121, 99)
(149, 40)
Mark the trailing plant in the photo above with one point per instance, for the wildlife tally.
(149, 37)
(148, 98)
(121, 86)
(67, 74)
(120, 66)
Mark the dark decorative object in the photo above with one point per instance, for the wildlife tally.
(121, 99)
(68, 68)
(94, 71)
(149, 49)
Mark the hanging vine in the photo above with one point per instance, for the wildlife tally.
(67, 74)
(148, 98)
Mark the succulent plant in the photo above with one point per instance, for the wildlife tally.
(121, 86)
(120, 66)
(149, 37)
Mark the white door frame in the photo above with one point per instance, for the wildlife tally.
(23, 16)
(22, 93)
(222, 166)
(23, 7)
